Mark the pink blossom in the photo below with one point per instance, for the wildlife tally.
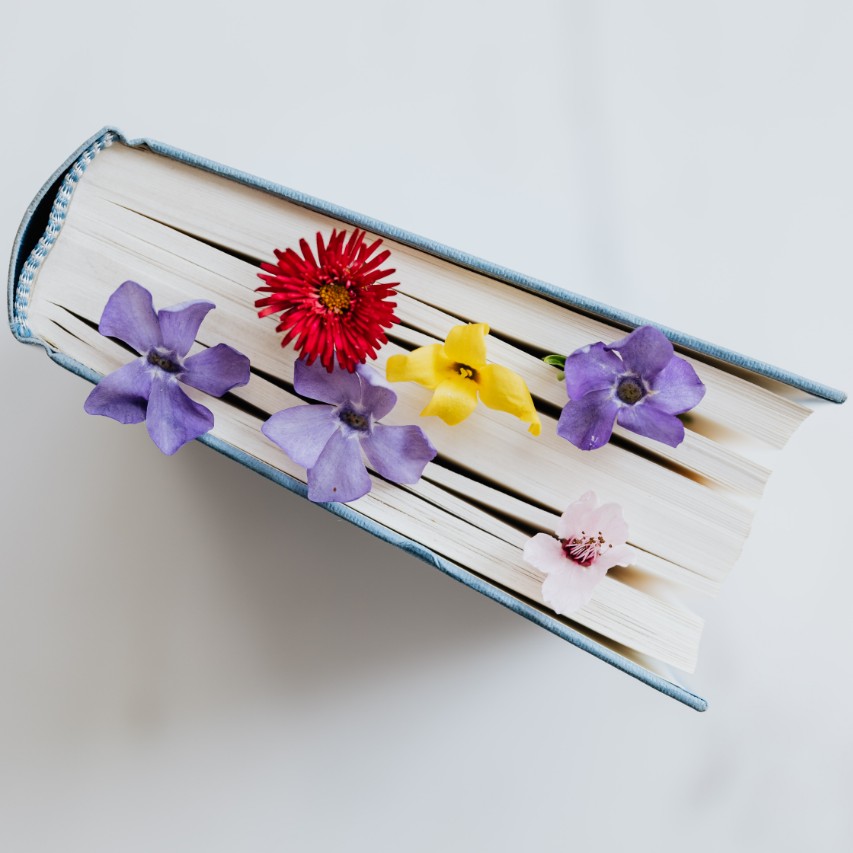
(590, 540)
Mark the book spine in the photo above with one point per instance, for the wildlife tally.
(40, 227)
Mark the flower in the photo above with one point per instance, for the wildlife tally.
(332, 304)
(590, 540)
(457, 370)
(328, 440)
(638, 382)
(147, 389)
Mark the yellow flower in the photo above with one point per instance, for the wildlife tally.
(457, 370)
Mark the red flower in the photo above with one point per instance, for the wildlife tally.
(332, 305)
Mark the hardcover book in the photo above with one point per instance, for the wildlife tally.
(187, 229)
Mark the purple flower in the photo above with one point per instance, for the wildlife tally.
(638, 382)
(147, 389)
(328, 440)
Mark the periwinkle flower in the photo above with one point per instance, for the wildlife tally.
(328, 438)
(148, 388)
(590, 540)
(637, 382)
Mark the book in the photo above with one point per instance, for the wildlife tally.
(188, 228)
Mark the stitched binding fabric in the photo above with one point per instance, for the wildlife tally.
(56, 219)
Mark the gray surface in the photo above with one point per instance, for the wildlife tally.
(194, 659)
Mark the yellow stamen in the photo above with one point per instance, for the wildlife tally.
(334, 296)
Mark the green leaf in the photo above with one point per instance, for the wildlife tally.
(555, 360)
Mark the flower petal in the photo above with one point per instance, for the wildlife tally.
(302, 431)
(398, 453)
(677, 388)
(123, 394)
(587, 422)
(377, 399)
(578, 517)
(584, 517)
(129, 316)
(467, 344)
(428, 366)
(618, 555)
(646, 351)
(608, 520)
(216, 370)
(502, 389)
(339, 473)
(174, 419)
(308, 312)
(453, 400)
(316, 383)
(568, 590)
(591, 368)
(648, 420)
(544, 553)
(179, 324)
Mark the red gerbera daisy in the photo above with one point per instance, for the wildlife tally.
(332, 305)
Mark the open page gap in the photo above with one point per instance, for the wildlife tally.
(220, 247)
(653, 576)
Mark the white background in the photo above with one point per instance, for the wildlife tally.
(193, 659)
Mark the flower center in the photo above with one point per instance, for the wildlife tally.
(335, 296)
(630, 390)
(584, 550)
(354, 420)
(465, 372)
(163, 362)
